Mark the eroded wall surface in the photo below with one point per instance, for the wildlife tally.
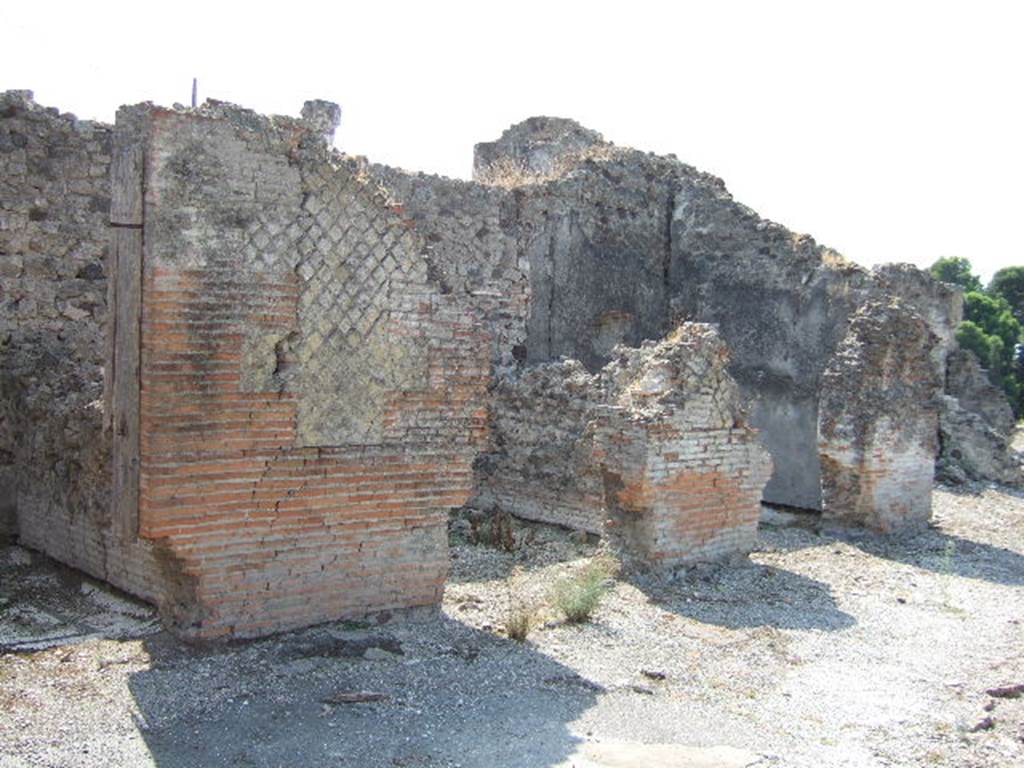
(538, 464)
(318, 335)
(623, 244)
(598, 248)
(54, 239)
(653, 451)
(976, 426)
(311, 400)
(878, 429)
(472, 246)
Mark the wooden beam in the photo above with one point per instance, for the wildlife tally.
(126, 219)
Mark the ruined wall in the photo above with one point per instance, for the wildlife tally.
(311, 400)
(537, 465)
(472, 248)
(54, 236)
(878, 424)
(598, 246)
(972, 450)
(939, 304)
(697, 493)
(968, 382)
(976, 426)
(976, 422)
(781, 302)
(318, 334)
(593, 226)
(622, 245)
(539, 147)
(653, 451)
(313, 362)
(784, 304)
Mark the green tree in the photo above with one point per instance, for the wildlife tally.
(992, 333)
(1009, 284)
(971, 337)
(956, 269)
(994, 316)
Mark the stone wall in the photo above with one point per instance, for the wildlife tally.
(879, 417)
(537, 466)
(968, 382)
(472, 248)
(54, 454)
(939, 304)
(652, 451)
(311, 398)
(622, 245)
(538, 147)
(318, 335)
(976, 426)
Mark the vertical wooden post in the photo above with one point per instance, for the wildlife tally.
(126, 219)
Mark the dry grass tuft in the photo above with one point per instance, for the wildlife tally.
(579, 595)
(519, 623)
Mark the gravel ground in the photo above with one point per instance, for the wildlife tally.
(826, 648)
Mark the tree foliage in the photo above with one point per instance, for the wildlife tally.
(1008, 283)
(994, 315)
(992, 327)
(957, 270)
(971, 337)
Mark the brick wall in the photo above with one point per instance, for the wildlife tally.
(471, 236)
(697, 496)
(653, 451)
(317, 336)
(622, 244)
(879, 424)
(310, 400)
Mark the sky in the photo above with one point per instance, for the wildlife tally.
(891, 131)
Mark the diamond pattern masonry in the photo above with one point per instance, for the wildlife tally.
(354, 265)
(357, 273)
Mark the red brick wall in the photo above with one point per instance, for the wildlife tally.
(653, 451)
(257, 533)
(695, 496)
(878, 423)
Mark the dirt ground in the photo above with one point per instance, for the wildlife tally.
(825, 648)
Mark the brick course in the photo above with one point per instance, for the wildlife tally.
(333, 354)
(310, 401)
(653, 451)
(878, 431)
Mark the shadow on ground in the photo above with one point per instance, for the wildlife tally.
(749, 595)
(452, 696)
(940, 552)
(449, 694)
(44, 603)
(740, 593)
(931, 549)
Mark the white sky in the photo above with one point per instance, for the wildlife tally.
(892, 131)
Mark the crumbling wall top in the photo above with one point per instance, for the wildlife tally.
(537, 144)
(323, 116)
(685, 371)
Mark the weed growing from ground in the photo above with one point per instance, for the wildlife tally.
(519, 623)
(578, 596)
(946, 576)
(521, 616)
